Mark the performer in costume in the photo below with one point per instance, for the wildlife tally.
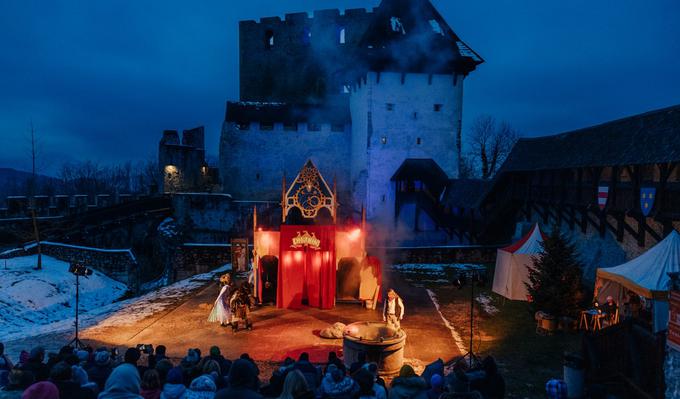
(221, 311)
(393, 310)
(241, 301)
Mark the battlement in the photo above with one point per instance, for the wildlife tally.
(306, 17)
(20, 207)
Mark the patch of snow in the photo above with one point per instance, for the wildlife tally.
(397, 26)
(485, 301)
(56, 296)
(436, 28)
(35, 300)
(456, 337)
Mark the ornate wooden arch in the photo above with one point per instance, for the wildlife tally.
(309, 193)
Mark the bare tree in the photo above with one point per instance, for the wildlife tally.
(33, 189)
(490, 144)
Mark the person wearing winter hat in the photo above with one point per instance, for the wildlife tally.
(151, 385)
(337, 384)
(242, 382)
(81, 378)
(123, 383)
(174, 385)
(61, 375)
(436, 387)
(101, 370)
(41, 390)
(202, 387)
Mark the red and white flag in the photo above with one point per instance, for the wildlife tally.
(602, 195)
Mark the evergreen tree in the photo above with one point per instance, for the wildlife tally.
(555, 277)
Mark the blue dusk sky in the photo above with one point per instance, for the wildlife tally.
(102, 79)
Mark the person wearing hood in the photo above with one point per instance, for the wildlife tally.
(202, 387)
(62, 376)
(41, 390)
(123, 383)
(174, 384)
(81, 378)
(408, 385)
(337, 385)
(242, 382)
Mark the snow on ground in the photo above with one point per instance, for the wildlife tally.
(40, 302)
(485, 301)
(432, 273)
(454, 334)
(34, 300)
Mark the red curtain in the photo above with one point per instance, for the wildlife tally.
(306, 267)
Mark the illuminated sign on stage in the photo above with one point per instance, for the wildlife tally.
(306, 240)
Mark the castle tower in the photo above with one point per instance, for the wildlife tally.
(408, 105)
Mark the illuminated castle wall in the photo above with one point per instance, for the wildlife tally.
(357, 92)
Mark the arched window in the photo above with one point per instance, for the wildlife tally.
(341, 35)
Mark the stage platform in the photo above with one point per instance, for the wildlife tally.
(278, 333)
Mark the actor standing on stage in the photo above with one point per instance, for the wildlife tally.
(221, 310)
(393, 310)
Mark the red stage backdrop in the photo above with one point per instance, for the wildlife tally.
(306, 267)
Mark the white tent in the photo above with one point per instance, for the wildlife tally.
(646, 275)
(511, 265)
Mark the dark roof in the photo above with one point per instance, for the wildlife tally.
(423, 169)
(245, 112)
(411, 36)
(465, 193)
(648, 138)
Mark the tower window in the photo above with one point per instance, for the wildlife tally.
(383, 139)
(389, 106)
(269, 39)
(307, 35)
(438, 107)
(341, 36)
(418, 141)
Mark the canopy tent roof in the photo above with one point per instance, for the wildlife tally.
(647, 274)
(529, 244)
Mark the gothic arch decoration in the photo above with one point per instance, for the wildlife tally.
(309, 193)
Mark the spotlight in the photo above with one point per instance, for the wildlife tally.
(79, 269)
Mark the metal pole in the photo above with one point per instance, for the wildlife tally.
(77, 307)
(472, 310)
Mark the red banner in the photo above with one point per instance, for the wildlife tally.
(306, 267)
(674, 321)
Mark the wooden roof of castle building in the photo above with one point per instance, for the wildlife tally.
(411, 36)
(652, 137)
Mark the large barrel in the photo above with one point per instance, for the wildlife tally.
(381, 343)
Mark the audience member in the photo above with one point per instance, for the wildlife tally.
(61, 375)
(242, 382)
(18, 380)
(41, 390)
(382, 391)
(151, 385)
(203, 387)
(436, 387)
(101, 369)
(361, 360)
(123, 383)
(216, 355)
(278, 378)
(408, 385)
(366, 384)
(295, 387)
(163, 367)
(333, 359)
(174, 384)
(337, 385)
(311, 373)
(35, 364)
(492, 384)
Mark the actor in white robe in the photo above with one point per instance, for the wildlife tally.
(221, 311)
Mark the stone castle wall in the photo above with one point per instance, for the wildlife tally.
(17, 207)
(299, 58)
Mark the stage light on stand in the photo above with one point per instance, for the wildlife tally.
(78, 270)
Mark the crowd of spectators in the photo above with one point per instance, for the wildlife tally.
(147, 373)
